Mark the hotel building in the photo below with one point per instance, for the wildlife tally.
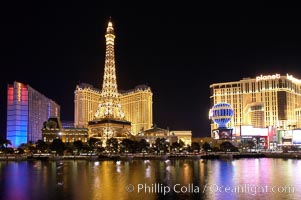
(27, 110)
(86, 101)
(54, 129)
(112, 113)
(261, 102)
(136, 105)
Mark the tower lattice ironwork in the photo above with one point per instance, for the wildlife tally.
(109, 106)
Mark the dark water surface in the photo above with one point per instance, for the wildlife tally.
(262, 178)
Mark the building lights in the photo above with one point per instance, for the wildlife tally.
(293, 79)
(267, 77)
(263, 101)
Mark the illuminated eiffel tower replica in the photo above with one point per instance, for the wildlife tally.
(109, 118)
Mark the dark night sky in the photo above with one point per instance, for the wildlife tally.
(177, 49)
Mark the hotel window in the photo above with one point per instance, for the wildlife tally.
(253, 97)
(260, 86)
(280, 83)
(247, 87)
(266, 84)
(253, 87)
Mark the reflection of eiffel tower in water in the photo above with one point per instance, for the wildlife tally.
(109, 117)
(59, 173)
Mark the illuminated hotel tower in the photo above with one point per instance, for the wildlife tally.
(137, 105)
(86, 101)
(264, 101)
(109, 118)
(27, 110)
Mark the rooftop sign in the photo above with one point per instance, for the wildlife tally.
(267, 77)
(293, 79)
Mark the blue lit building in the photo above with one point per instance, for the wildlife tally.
(27, 110)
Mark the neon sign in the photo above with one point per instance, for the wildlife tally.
(293, 79)
(267, 77)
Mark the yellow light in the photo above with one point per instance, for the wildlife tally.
(19, 91)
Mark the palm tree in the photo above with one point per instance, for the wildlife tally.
(94, 142)
(78, 144)
(58, 146)
(143, 146)
(4, 143)
(206, 146)
(112, 145)
(227, 146)
(181, 144)
(161, 145)
(175, 146)
(251, 144)
(128, 145)
(41, 146)
(195, 147)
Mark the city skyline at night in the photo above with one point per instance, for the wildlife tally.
(178, 54)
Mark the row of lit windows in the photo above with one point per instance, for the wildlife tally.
(261, 86)
(67, 134)
(66, 139)
(271, 84)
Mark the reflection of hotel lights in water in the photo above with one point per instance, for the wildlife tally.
(147, 169)
(148, 172)
(233, 163)
(146, 162)
(256, 170)
(167, 162)
(202, 169)
(118, 162)
(186, 173)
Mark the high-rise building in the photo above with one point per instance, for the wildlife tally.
(86, 101)
(263, 101)
(137, 105)
(27, 110)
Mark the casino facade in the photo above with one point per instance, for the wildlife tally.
(267, 108)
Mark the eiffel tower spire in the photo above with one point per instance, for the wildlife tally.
(109, 106)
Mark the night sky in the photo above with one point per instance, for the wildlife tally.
(176, 49)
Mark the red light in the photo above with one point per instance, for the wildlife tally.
(10, 95)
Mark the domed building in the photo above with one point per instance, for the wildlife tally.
(53, 129)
